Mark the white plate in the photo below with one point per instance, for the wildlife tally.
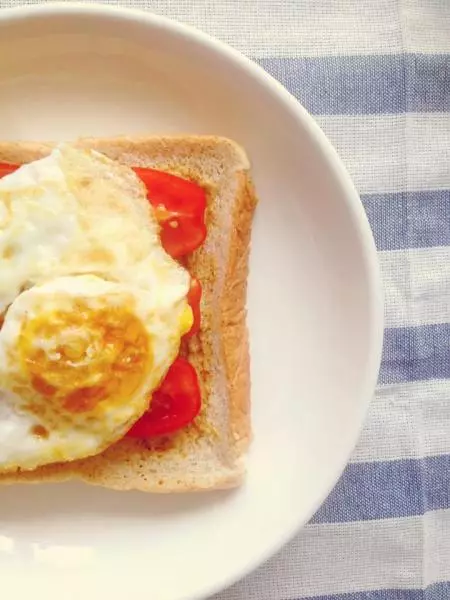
(314, 305)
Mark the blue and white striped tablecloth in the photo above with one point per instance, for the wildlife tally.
(376, 75)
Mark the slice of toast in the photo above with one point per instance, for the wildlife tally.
(210, 453)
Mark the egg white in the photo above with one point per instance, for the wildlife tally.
(73, 226)
(75, 212)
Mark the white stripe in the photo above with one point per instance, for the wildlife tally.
(389, 153)
(349, 557)
(416, 285)
(303, 28)
(408, 420)
(297, 27)
(427, 25)
(437, 546)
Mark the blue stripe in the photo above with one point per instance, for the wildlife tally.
(349, 85)
(437, 591)
(384, 490)
(415, 353)
(409, 220)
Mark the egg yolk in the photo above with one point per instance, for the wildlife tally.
(80, 358)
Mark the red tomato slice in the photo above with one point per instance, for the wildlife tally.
(6, 169)
(194, 298)
(180, 209)
(174, 405)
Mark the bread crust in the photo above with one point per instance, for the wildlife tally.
(204, 456)
(234, 334)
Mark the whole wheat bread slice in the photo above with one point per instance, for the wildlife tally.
(210, 453)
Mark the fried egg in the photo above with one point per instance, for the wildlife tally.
(93, 307)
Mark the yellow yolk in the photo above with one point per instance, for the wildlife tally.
(86, 356)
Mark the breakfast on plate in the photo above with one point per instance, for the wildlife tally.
(124, 355)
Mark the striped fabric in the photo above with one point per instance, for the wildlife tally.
(376, 75)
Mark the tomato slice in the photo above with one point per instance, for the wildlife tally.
(180, 209)
(6, 169)
(194, 297)
(174, 405)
